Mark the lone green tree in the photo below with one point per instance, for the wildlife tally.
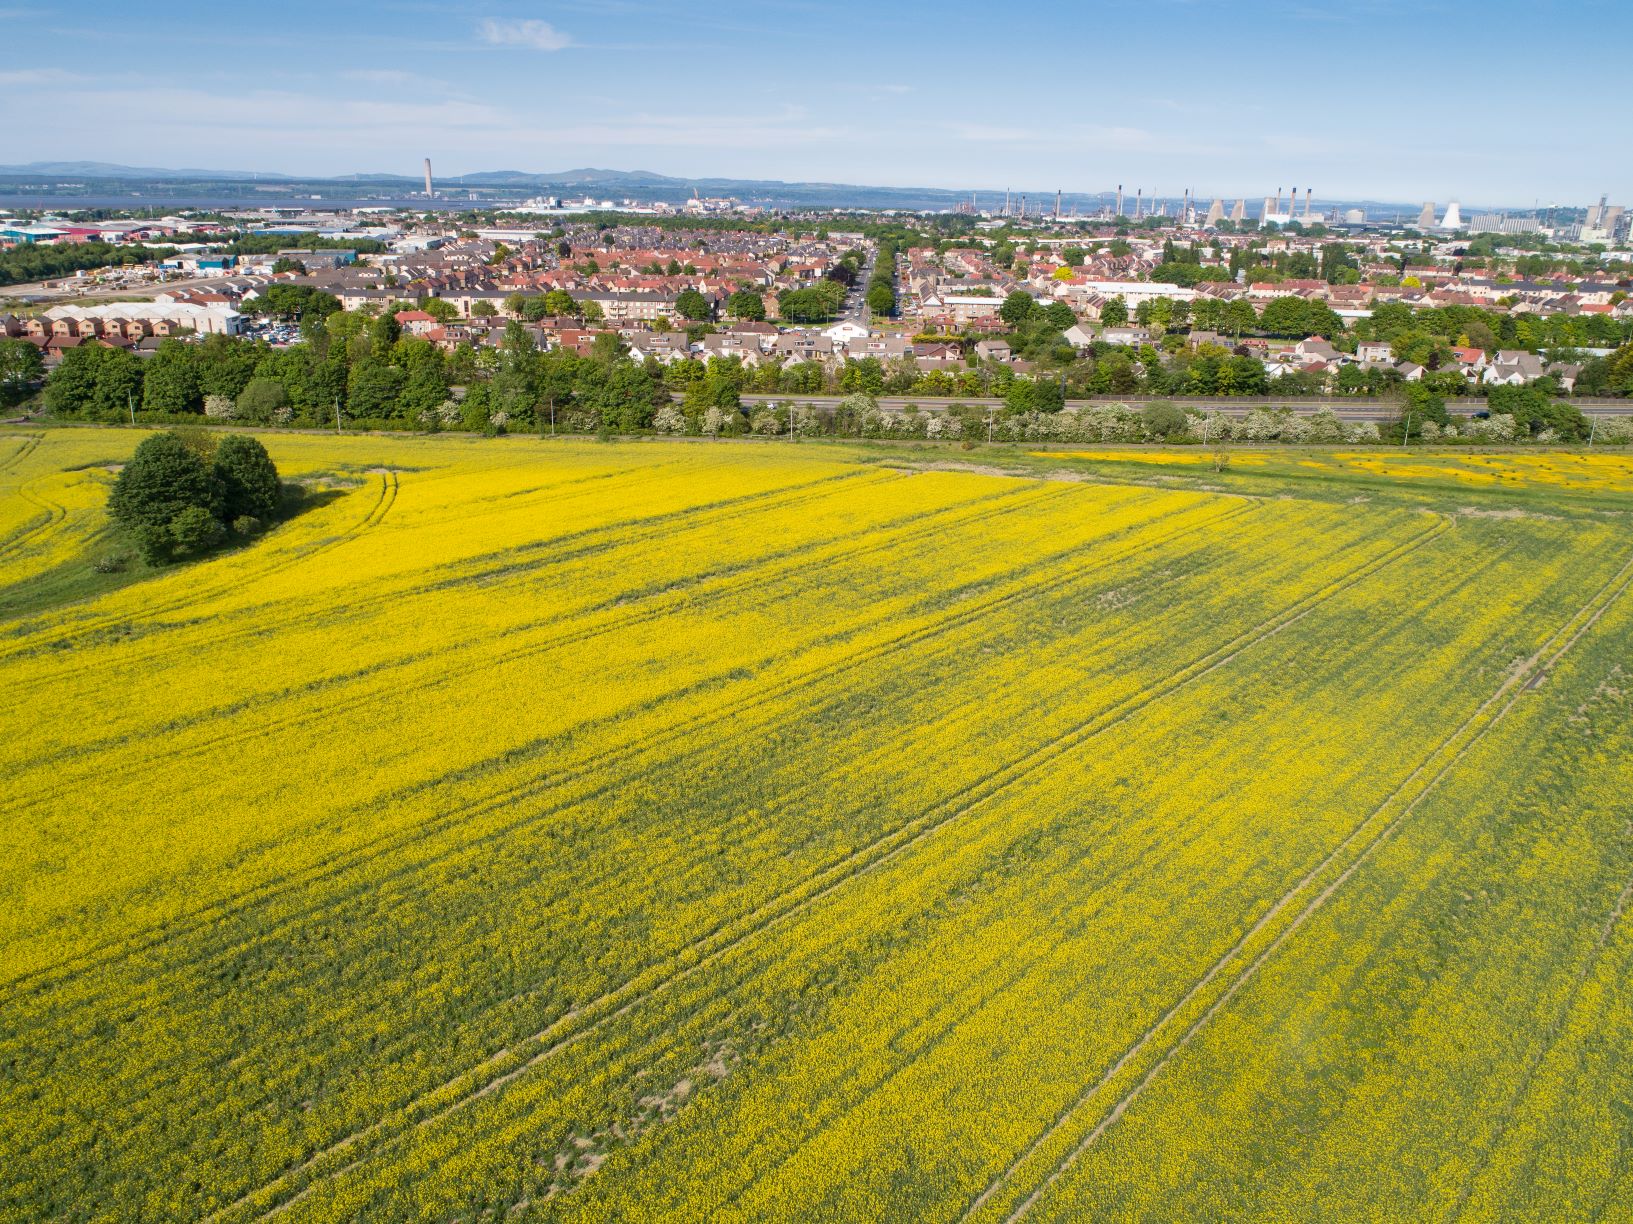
(881, 298)
(1018, 307)
(248, 480)
(691, 304)
(746, 304)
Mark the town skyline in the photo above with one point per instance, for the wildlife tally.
(951, 98)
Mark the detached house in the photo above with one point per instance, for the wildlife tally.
(1513, 368)
(1471, 361)
(1316, 348)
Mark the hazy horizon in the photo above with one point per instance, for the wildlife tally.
(1179, 93)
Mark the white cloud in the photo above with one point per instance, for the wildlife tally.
(533, 35)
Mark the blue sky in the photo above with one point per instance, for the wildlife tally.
(1498, 102)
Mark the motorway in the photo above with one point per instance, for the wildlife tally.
(1347, 409)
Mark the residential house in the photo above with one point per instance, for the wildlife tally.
(1128, 337)
(1513, 368)
(662, 347)
(846, 331)
(1316, 348)
(938, 357)
(1471, 361)
(417, 322)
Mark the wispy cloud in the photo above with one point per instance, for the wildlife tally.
(39, 76)
(284, 122)
(992, 132)
(382, 76)
(784, 128)
(530, 35)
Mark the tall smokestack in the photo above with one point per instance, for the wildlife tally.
(1006, 201)
(1307, 191)
(1278, 201)
(428, 194)
(1139, 199)
(1057, 203)
(1119, 199)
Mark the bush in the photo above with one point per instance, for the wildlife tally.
(153, 541)
(196, 531)
(669, 420)
(1164, 420)
(113, 563)
(261, 400)
(247, 525)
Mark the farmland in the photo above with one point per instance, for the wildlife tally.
(679, 831)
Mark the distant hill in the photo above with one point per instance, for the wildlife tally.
(641, 185)
(584, 177)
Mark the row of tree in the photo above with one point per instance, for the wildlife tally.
(364, 369)
(34, 261)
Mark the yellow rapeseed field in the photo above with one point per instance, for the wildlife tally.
(1608, 471)
(759, 831)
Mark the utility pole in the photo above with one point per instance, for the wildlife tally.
(130, 402)
(1593, 428)
(337, 414)
(1407, 432)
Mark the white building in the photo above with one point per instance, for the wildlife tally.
(205, 320)
(1135, 292)
(845, 331)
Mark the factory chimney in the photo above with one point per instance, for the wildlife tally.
(1119, 199)
(428, 193)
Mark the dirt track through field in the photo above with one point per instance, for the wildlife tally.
(520, 1056)
(1453, 749)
